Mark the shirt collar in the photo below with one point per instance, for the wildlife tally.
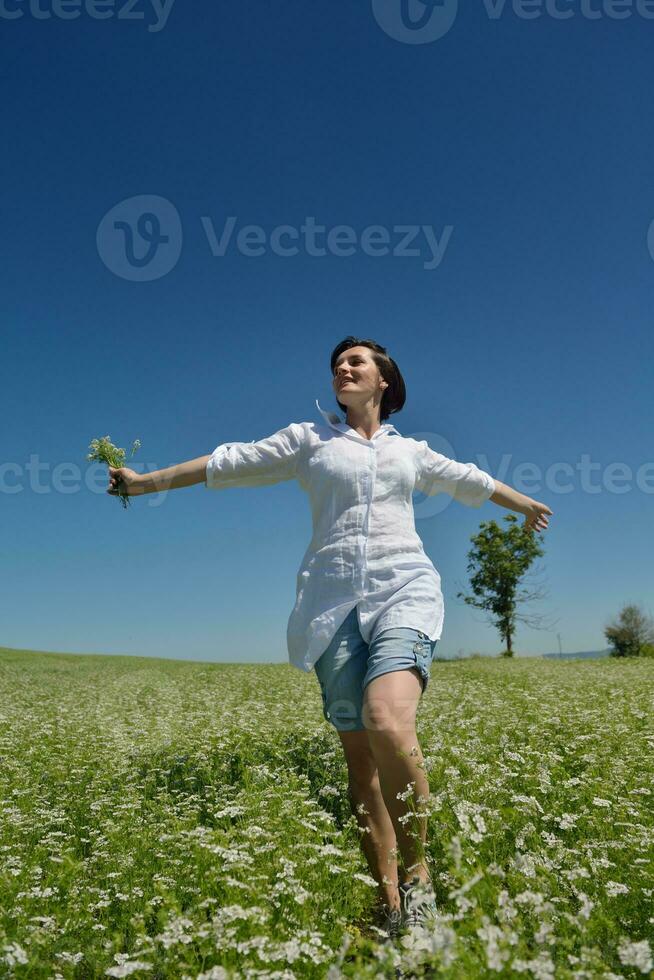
(335, 421)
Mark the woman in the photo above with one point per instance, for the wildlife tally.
(369, 608)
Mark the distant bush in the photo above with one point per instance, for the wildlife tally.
(631, 633)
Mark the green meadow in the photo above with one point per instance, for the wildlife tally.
(171, 819)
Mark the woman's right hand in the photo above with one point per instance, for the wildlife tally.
(124, 481)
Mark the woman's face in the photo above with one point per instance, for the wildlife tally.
(357, 377)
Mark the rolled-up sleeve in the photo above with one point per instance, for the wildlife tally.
(256, 464)
(464, 482)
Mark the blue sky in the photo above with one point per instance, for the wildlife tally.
(528, 340)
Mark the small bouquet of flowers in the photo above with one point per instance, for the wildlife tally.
(104, 451)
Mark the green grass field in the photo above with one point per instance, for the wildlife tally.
(166, 819)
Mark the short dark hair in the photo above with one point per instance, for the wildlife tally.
(394, 396)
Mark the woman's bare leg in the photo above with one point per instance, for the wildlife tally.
(378, 839)
(389, 713)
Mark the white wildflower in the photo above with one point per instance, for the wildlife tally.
(566, 821)
(255, 831)
(14, 954)
(175, 933)
(507, 909)
(127, 968)
(614, 888)
(234, 810)
(490, 934)
(542, 968)
(526, 864)
(439, 939)
(587, 905)
(636, 954)
(576, 872)
(531, 800)
(543, 933)
(366, 879)
(70, 957)
(522, 835)
(456, 851)
(530, 898)
(300, 894)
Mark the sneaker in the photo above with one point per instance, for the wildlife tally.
(391, 921)
(418, 903)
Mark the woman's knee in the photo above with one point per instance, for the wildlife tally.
(363, 786)
(361, 765)
(390, 702)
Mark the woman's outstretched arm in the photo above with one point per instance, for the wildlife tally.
(231, 464)
(535, 512)
(133, 484)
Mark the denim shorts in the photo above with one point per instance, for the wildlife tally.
(349, 664)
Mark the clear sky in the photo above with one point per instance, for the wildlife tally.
(518, 152)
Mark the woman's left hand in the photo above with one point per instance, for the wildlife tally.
(536, 516)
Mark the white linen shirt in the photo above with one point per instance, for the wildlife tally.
(365, 550)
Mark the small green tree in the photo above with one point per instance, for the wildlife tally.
(632, 634)
(497, 562)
